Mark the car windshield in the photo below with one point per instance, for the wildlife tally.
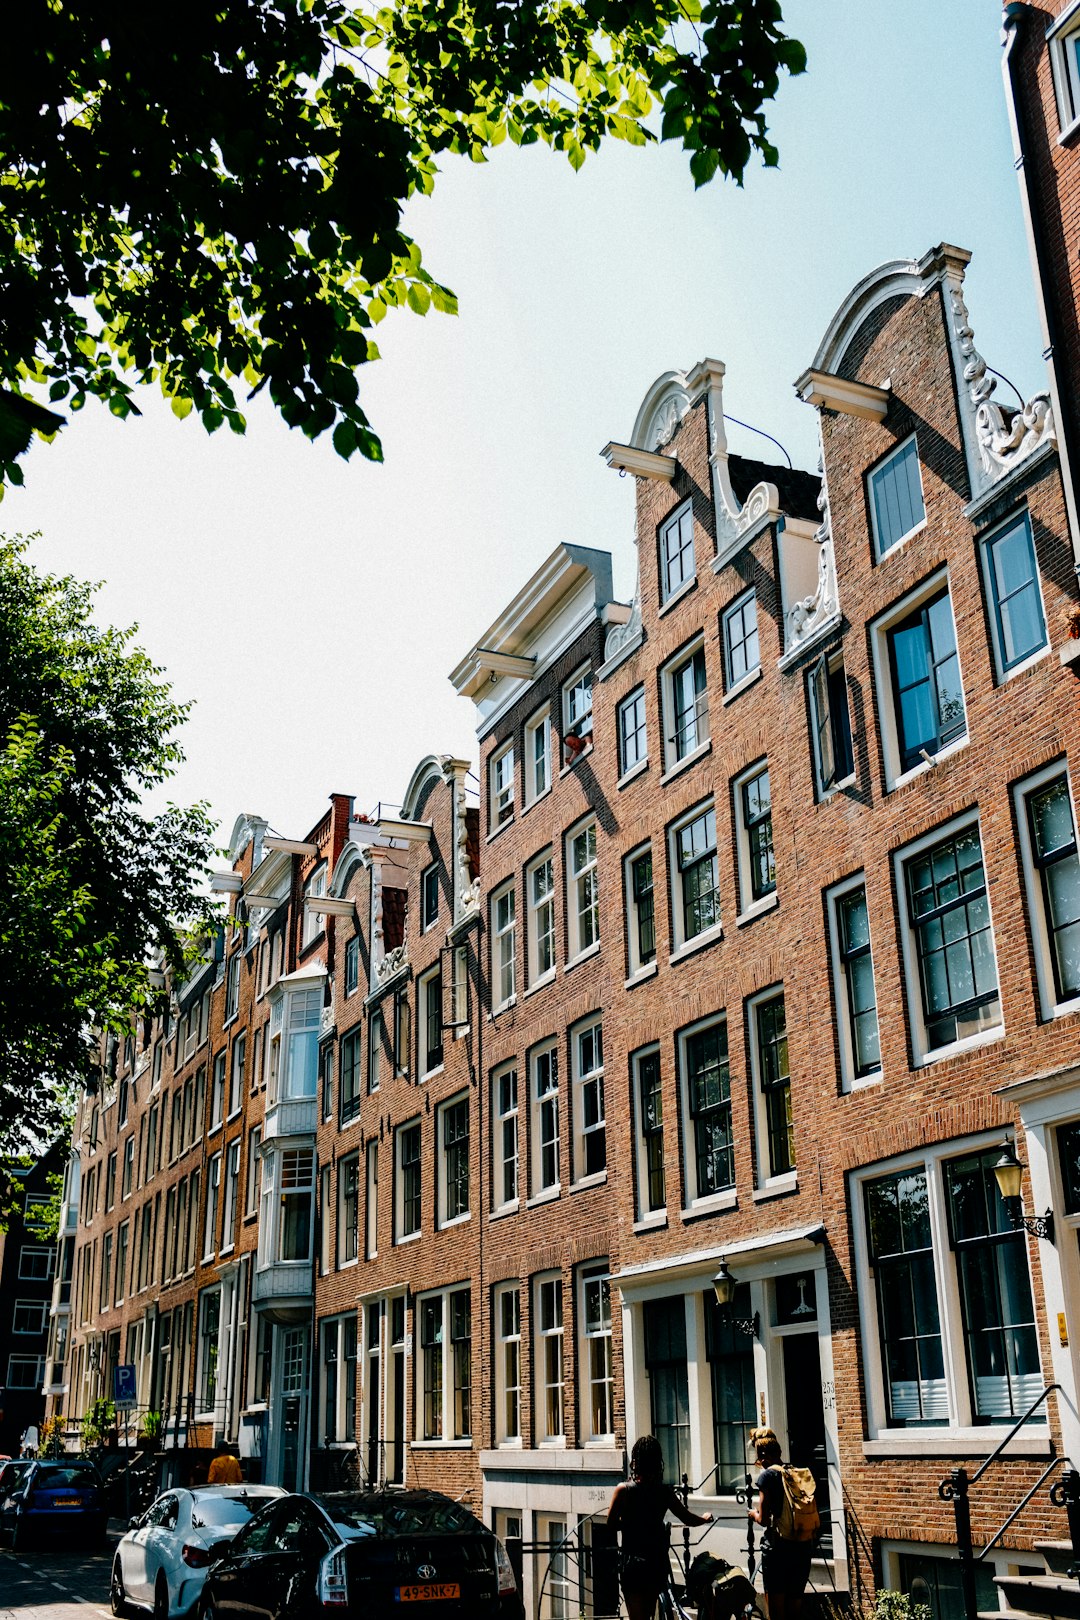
(49, 1478)
(357, 1516)
(221, 1510)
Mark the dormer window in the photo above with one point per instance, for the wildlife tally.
(896, 497)
(676, 551)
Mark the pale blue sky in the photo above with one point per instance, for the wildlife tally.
(313, 609)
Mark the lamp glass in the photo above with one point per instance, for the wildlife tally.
(1008, 1173)
(724, 1285)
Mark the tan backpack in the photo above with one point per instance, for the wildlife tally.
(799, 1519)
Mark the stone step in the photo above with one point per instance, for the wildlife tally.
(1043, 1595)
(1059, 1555)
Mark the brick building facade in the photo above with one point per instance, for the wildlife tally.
(750, 943)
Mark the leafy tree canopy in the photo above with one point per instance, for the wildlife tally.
(90, 884)
(211, 200)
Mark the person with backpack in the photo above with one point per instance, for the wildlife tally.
(638, 1513)
(790, 1524)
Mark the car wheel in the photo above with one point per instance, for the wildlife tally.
(161, 1599)
(117, 1595)
(207, 1611)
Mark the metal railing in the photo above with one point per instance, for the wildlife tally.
(956, 1489)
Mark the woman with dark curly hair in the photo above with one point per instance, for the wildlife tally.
(638, 1513)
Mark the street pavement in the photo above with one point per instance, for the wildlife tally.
(50, 1583)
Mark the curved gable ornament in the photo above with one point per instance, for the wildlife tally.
(428, 774)
(350, 858)
(896, 278)
(661, 411)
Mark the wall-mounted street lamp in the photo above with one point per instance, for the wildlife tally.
(1008, 1173)
(724, 1286)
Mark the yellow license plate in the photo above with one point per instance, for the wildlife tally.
(67, 1501)
(420, 1594)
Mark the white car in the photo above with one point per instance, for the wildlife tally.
(161, 1563)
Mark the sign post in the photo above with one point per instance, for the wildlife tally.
(126, 1400)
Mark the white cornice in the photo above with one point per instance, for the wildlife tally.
(841, 394)
(289, 846)
(642, 463)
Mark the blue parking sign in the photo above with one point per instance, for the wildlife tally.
(124, 1390)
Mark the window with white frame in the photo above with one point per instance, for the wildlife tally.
(545, 1118)
(429, 897)
(742, 644)
(834, 760)
(508, 1364)
(295, 1023)
(577, 709)
(348, 1210)
(236, 1078)
(1064, 40)
(407, 1181)
(502, 786)
(350, 1075)
(339, 1340)
(773, 1074)
(445, 1365)
(429, 1017)
(633, 741)
(676, 541)
(232, 987)
(402, 1032)
(452, 1125)
(206, 1379)
(504, 946)
(326, 1225)
(213, 1187)
(36, 1265)
(948, 941)
(376, 1039)
(504, 1112)
(295, 1170)
(582, 889)
(896, 497)
(1011, 572)
(649, 1122)
(537, 756)
(640, 910)
(550, 1414)
(695, 898)
(703, 1053)
(28, 1315)
(949, 1320)
(920, 686)
(597, 1370)
(371, 1201)
(1052, 870)
(232, 1193)
(314, 889)
(25, 1372)
(754, 836)
(853, 981)
(254, 1172)
(352, 965)
(459, 989)
(590, 1133)
(540, 887)
(685, 704)
(128, 1174)
(326, 1078)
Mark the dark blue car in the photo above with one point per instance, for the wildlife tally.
(55, 1499)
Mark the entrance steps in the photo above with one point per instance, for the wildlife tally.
(1053, 1596)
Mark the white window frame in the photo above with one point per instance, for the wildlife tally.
(629, 706)
(766, 1179)
(254, 1172)
(549, 1356)
(875, 472)
(637, 965)
(237, 1063)
(38, 1306)
(342, 1245)
(371, 1200)
(676, 757)
(218, 1084)
(577, 712)
(231, 1202)
(429, 994)
(834, 897)
(16, 1363)
(537, 755)
(429, 879)
(1050, 1004)
(232, 987)
(208, 1339)
(888, 719)
(646, 1216)
(443, 1150)
(28, 1273)
(682, 942)
(333, 1347)
(459, 991)
(736, 683)
(1003, 670)
(210, 1215)
(922, 1052)
(505, 1121)
(748, 905)
(587, 1068)
(501, 777)
(413, 1233)
(504, 946)
(1063, 37)
(698, 1200)
(451, 1432)
(536, 909)
(314, 889)
(508, 1365)
(830, 665)
(884, 1440)
(582, 891)
(544, 1121)
(680, 526)
(594, 1306)
(352, 965)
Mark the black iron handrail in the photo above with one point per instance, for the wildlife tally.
(1015, 1430)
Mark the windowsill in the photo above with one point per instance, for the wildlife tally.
(597, 1179)
(541, 983)
(228, 1249)
(582, 956)
(729, 1199)
(698, 943)
(926, 765)
(548, 1196)
(1025, 663)
(430, 1074)
(235, 1114)
(226, 1023)
(501, 828)
(742, 686)
(760, 908)
(946, 1442)
(568, 770)
(440, 1445)
(504, 1006)
(653, 1222)
(863, 1082)
(1069, 133)
(677, 595)
(347, 1265)
(825, 794)
(1064, 1009)
(687, 760)
(458, 1220)
(214, 1128)
(632, 774)
(510, 1445)
(204, 1417)
(777, 1187)
(505, 1209)
(649, 971)
(540, 797)
(897, 545)
(412, 1237)
(970, 1043)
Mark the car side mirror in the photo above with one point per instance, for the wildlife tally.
(135, 1522)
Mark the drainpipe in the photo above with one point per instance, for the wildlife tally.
(1015, 11)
